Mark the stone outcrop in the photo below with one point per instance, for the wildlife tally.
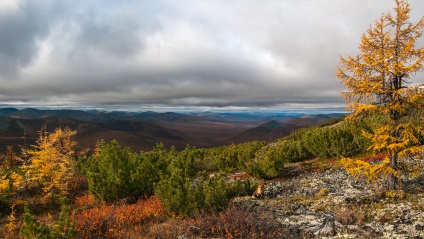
(333, 204)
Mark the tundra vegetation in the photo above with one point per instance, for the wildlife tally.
(48, 190)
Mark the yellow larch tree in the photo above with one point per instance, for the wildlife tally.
(379, 81)
(11, 158)
(51, 163)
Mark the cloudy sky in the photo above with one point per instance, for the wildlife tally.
(208, 53)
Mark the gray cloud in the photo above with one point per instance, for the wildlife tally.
(191, 53)
(18, 38)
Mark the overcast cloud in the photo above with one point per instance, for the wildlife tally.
(181, 53)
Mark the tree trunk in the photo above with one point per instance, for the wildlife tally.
(393, 180)
(395, 115)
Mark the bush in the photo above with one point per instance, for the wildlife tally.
(176, 192)
(345, 139)
(64, 228)
(228, 158)
(267, 164)
(186, 196)
(116, 220)
(114, 173)
(32, 228)
(294, 150)
(176, 189)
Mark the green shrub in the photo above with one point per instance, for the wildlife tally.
(115, 173)
(64, 227)
(176, 192)
(186, 196)
(268, 163)
(240, 188)
(293, 150)
(231, 157)
(344, 139)
(33, 229)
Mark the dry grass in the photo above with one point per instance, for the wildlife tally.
(234, 222)
(349, 214)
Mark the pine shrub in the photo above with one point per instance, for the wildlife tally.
(115, 173)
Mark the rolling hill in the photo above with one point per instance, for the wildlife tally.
(268, 131)
(273, 129)
(141, 131)
(137, 135)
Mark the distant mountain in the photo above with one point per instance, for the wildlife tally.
(30, 113)
(268, 131)
(308, 120)
(238, 118)
(7, 111)
(137, 135)
(168, 117)
(273, 129)
(141, 131)
(246, 117)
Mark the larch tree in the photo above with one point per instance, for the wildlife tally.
(10, 157)
(379, 81)
(51, 161)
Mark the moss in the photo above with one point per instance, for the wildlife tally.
(323, 192)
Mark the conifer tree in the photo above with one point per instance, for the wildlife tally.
(10, 157)
(379, 81)
(52, 161)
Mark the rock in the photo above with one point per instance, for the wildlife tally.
(295, 205)
(297, 208)
(327, 228)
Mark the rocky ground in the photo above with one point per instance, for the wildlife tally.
(326, 202)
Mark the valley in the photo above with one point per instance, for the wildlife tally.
(143, 130)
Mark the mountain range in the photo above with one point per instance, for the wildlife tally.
(143, 130)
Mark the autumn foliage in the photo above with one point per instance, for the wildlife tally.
(380, 82)
(51, 163)
(116, 220)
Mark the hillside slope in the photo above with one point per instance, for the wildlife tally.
(268, 131)
(273, 129)
(137, 135)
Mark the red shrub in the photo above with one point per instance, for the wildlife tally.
(240, 176)
(374, 158)
(115, 221)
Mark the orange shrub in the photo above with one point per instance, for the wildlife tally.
(85, 201)
(117, 220)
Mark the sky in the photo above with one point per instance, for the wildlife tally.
(213, 54)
